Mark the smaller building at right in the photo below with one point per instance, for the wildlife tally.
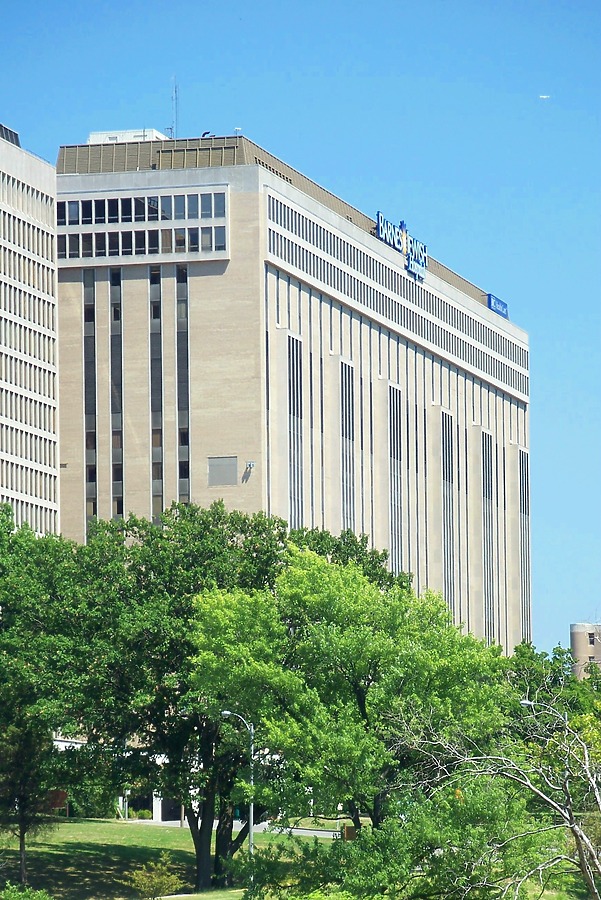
(585, 643)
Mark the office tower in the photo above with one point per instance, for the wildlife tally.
(230, 329)
(28, 345)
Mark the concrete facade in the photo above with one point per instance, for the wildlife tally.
(231, 330)
(28, 339)
(585, 644)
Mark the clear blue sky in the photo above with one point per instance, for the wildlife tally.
(427, 110)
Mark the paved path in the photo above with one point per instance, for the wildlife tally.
(259, 827)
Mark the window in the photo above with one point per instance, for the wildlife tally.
(113, 243)
(153, 209)
(117, 506)
(157, 471)
(61, 246)
(184, 469)
(88, 313)
(86, 245)
(192, 206)
(91, 474)
(126, 243)
(157, 437)
(166, 235)
(86, 212)
(193, 240)
(117, 472)
(113, 207)
(184, 437)
(591, 638)
(140, 209)
(73, 246)
(206, 238)
(100, 244)
(117, 440)
(140, 242)
(126, 209)
(179, 206)
(220, 237)
(166, 207)
(153, 242)
(155, 309)
(206, 206)
(73, 207)
(60, 213)
(223, 470)
(90, 440)
(180, 240)
(99, 211)
(219, 206)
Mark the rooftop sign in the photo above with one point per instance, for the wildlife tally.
(397, 237)
(498, 306)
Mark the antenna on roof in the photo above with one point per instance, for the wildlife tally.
(174, 108)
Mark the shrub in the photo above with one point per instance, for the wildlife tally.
(12, 892)
(144, 814)
(154, 880)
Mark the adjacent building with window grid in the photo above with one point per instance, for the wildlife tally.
(28, 344)
(585, 644)
(229, 329)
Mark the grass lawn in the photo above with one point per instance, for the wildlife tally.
(86, 860)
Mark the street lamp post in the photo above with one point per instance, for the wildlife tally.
(226, 713)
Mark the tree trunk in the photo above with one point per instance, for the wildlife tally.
(378, 811)
(354, 812)
(22, 860)
(224, 843)
(201, 837)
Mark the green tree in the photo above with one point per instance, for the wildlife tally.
(29, 761)
(379, 661)
(143, 630)
(139, 624)
(370, 654)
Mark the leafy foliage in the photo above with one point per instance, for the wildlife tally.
(154, 880)
(12, 892)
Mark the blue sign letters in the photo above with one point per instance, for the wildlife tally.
(498, 306)
(397, 237)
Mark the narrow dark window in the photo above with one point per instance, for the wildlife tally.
(347, 426)
(99, 212)
(166, 208)
(179, 206)
(448, 516)
(206, 206)
(395, 440)
(488, 538)
(86, 212)
(126, 213)
(295, 433)
(192, 206)
(219, 201)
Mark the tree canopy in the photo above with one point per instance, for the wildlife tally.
(366, 700)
